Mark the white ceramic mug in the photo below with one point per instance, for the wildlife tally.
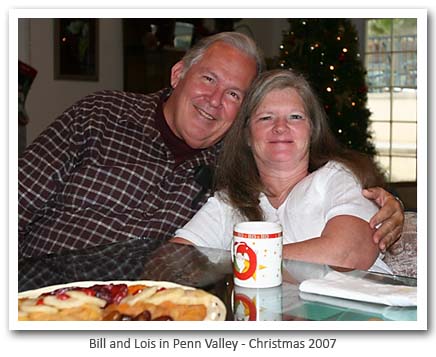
(257, 254)
(250, 304)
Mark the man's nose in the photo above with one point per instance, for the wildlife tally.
(216, 97)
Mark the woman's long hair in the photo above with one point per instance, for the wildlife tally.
(237, 174)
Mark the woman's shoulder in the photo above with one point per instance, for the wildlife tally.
(220, 196)
(335, 165)
(219, 199)
(332, 167)
(332, 171)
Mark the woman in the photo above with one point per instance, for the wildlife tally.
(281, 163)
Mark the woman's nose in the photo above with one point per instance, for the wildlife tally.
(280, 126)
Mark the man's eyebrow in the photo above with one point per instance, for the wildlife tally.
(209, 71)
(215, 75)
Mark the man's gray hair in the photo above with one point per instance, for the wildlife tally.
(235, 39)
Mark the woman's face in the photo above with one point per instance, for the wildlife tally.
(280, 130)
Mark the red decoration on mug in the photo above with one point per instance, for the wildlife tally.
(248, 304)
(242, 248)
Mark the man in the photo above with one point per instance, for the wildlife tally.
(118, 166)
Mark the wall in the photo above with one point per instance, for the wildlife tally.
(268, 33)
(48, 97)
(407, 192)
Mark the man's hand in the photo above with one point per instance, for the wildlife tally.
(390, 216)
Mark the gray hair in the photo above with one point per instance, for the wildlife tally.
(235, 39)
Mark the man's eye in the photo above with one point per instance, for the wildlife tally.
(296, 116)
(235, 96)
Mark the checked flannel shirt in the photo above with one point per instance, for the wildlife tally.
(102, 173)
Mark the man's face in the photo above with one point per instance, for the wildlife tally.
(205, 101)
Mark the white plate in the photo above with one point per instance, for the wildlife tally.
(216, 310)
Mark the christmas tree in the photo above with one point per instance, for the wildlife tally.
(327, 52)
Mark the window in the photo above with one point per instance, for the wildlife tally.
(390, 57)
(183, 35)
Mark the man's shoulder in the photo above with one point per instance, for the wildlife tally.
(116, 105)
(122, 98)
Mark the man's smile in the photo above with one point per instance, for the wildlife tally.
(204, 114)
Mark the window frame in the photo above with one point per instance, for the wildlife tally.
(392, 89)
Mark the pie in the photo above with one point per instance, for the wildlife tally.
(119, 301)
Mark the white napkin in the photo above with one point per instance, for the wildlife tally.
(348, 287)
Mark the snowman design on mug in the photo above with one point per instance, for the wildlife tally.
(244, 261)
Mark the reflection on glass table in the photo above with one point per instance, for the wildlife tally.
(211, 270)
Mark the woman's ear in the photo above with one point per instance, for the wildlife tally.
(176, 73)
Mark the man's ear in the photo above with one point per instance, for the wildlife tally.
(176, 73)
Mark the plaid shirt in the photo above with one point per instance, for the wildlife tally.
(136, 259)
(102, 173)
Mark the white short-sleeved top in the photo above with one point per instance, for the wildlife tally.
(328, 192)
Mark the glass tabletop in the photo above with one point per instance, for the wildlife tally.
(211, 270)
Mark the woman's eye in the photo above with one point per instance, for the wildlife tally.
(207, 78)
(266, 117)
(296, 116)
